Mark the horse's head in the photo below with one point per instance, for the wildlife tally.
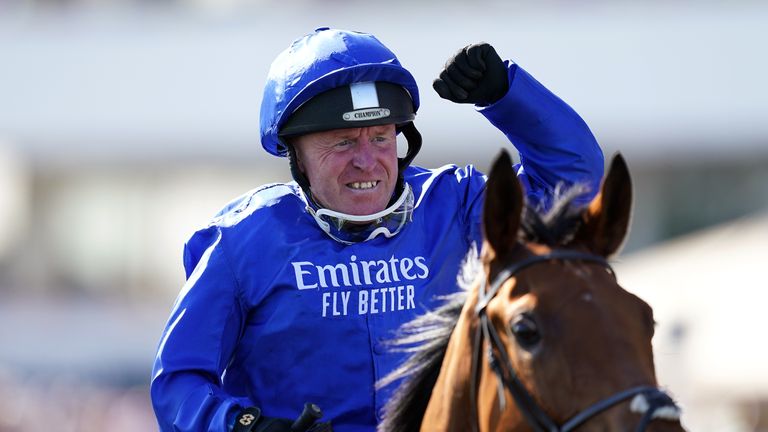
(567, 345)
(571, 335)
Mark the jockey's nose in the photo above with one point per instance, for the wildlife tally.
(363, 157)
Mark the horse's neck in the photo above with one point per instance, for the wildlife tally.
(449, 407)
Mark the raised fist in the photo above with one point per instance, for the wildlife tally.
(475, 74)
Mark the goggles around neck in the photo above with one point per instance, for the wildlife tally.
(351, 229)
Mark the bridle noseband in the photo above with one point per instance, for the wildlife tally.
(507, 377)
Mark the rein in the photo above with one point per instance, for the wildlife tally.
(507, 376)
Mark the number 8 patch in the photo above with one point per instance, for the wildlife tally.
(247, 418)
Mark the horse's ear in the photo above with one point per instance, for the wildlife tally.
(606, 221)
(503, 205)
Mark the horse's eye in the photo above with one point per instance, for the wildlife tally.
(526, 331)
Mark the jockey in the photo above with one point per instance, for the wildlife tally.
(294, 288)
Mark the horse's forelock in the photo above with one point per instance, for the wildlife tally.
(557, 225)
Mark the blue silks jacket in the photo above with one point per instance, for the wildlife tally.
(275, 313)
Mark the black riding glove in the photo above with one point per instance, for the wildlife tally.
(251, 420)
(474, 75)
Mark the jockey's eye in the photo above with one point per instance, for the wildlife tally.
(343, 144)
(526, 331)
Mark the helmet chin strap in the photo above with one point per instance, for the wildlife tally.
(296, 173)
(412, 136)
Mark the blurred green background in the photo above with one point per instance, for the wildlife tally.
(126, 124)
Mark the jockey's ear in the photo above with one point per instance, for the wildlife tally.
(606, 221)
(503, 206)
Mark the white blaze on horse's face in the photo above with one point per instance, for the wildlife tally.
(352, 171)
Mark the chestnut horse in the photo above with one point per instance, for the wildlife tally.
(545, 339)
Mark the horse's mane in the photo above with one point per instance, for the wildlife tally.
(426, 337)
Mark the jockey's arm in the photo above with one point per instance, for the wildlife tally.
(197, 343)
(555, 144)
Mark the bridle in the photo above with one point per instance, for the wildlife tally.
(507, 377)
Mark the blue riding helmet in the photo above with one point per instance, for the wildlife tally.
(325, 60)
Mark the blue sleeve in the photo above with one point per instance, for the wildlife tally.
(556, 146)
(197, 343)
(472, 196)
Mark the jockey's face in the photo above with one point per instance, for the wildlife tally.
(351, 171)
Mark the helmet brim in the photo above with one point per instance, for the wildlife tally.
(338, 109)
